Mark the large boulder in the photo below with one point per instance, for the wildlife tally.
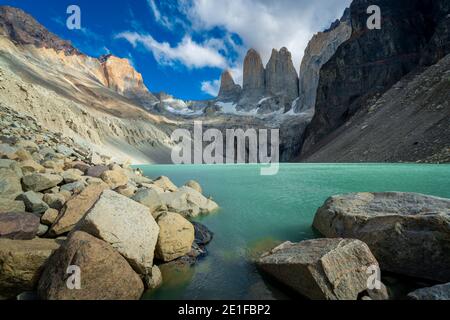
(75, 209)
(408, 233)
(18, 225)
(125, 224)
(21, 263)
(321, 269)
(175, 238)
(41, 181)
(439, 292)
(10, 186)
(105, 274)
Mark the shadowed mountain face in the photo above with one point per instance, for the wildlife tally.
(413, 32)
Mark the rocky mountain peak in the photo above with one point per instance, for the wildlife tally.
(23, 29)
(228, 88)
(123, 78)
(281, 76)
(253, 72)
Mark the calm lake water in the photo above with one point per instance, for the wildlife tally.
(258, 212)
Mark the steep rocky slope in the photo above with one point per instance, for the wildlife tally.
(320, 49)
(71, 93)
(372, 61)
(409, 123)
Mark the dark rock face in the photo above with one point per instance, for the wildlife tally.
(320, 49)
(229, 90)
(372, 61)
(18, 225)
(24, 29)
(281, 76)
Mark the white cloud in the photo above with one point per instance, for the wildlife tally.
(211, 87)
(160, 18)
(266, 24)
(187, 52)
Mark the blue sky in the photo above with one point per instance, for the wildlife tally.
(182, 46)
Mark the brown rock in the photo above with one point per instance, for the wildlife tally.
(10, 186)
(75, 209)
(31, 166)
(8, 205)
(165, 183)
(175, 238)
(105, 274)
(115, 178)
(49, 217)
(18, 225)
(41, 181)
(21, 264)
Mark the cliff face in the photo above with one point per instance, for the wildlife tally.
(121, 77)
(253, 82)
(371, 61)
(320, 49)
(281, 76)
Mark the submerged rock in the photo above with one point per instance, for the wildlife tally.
(408, 233)
(105, 274)
(321, 269)
(439, 292)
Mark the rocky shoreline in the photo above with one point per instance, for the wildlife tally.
(369, 234)
(66, 212)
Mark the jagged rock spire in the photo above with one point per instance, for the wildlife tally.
(253, 72)
(281, 76)
(228, 88)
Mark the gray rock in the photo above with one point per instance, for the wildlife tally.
(321, 269)
(96, 171)
(439, 292)
(10, 186)
(74, 187)
(8, 205)
(64, 150)
(41, 181)
(42, 230)
(127, 225)
(406, 232)
(33, 202)
(150, 199)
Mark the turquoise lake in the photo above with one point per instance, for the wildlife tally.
(257, 212)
